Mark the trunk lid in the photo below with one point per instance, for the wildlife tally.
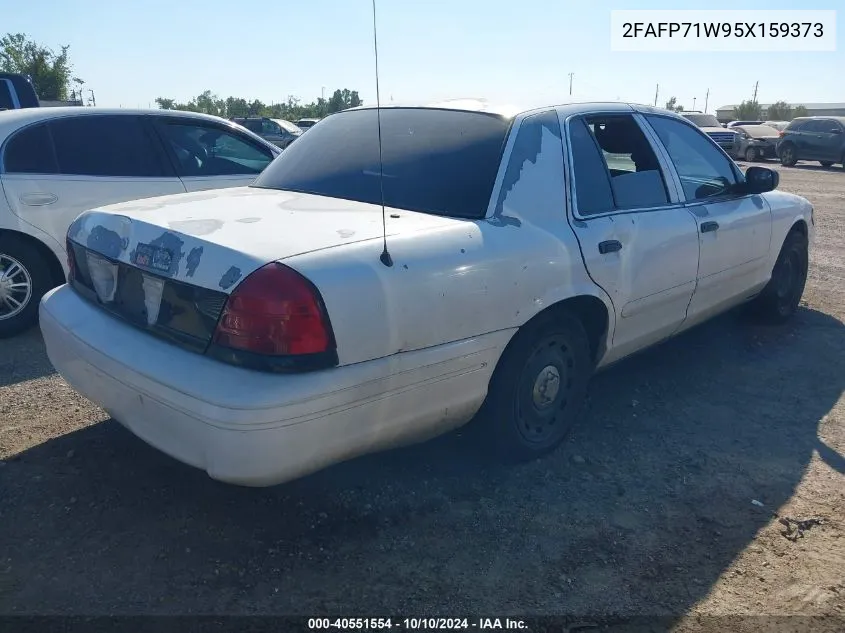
(212, 239)
(168, 264)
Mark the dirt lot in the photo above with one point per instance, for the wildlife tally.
(646, 510)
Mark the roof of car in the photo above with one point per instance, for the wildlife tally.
(510, 111)
(14, 119)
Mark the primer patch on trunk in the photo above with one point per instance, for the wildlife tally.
(193, 261)
(230, 277)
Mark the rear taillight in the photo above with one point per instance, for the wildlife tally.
(275, 311)
(781, 133)
(71, 261)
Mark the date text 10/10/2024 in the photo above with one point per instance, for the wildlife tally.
(437, 624)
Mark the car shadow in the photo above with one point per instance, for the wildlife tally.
(639, 513)
(23, 358)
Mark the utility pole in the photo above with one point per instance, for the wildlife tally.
(570, 83)
(656, 90)
(323, 94)
(93, 100)
(754, 98)
(706, 100)
(693, 104)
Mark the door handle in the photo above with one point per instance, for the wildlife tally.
(38, 199)
(610, 246)
(709, 227)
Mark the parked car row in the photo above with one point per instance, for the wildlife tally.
(813, 138)
(381, 290)
(58, 162)
(805, 138)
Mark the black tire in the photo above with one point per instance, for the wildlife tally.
(826, 163)
(751, 154)
(35, 271)
(781, 296)
(515, 426)
(788, 155)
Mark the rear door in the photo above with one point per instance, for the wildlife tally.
(208, 155)
(55, 170)
(638, 242)
(734, 230)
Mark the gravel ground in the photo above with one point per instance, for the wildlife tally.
(651, 508)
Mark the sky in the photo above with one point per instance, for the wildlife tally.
(518, 53)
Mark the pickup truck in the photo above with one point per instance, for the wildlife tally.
(16, 91)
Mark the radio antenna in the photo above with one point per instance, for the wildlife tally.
(385, 257)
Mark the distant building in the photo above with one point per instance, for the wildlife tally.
(725, 114)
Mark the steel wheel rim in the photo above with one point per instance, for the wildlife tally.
(543, 392)
(15, 287)
(787, 154)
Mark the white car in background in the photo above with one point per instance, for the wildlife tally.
(264, 332)
(57, 162)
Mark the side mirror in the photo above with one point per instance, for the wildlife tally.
(761, 179)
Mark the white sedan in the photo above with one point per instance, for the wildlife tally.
(264, 332)
(57, 162)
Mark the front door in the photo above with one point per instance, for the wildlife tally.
(831, 135)
(211, 156)
(638, 242)
(734, 231)
(56, 170)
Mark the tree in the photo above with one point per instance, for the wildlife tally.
(165, 104)
(672, 105)
(51, 73)
(292, 109)
(779, 111)
(748, 111)
(800, 111)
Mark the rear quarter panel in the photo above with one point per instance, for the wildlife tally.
(448, 284)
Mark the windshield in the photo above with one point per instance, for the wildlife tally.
(759, 131)
(287, 125)
(435, 161)
(703, 120)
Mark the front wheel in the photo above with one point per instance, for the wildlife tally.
(788, 155)
(24, 278)
(538, 388)
(751, 154)
(781, 296)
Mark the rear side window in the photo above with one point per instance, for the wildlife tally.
(795, 126)
(115, 146)
(592, 180)
(210, 150)
(6, 95)
(30, 151)
(442, 162)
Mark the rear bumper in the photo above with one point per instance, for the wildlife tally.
(253, 428)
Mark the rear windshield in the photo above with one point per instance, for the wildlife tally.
(703, 120)
(758, 131)
(442, 162)
(287, 125)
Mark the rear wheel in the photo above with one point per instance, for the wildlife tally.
(788, 155)
(781, 296)
(24, 278)
(538, 388)
(751, 154)
(826, 163)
